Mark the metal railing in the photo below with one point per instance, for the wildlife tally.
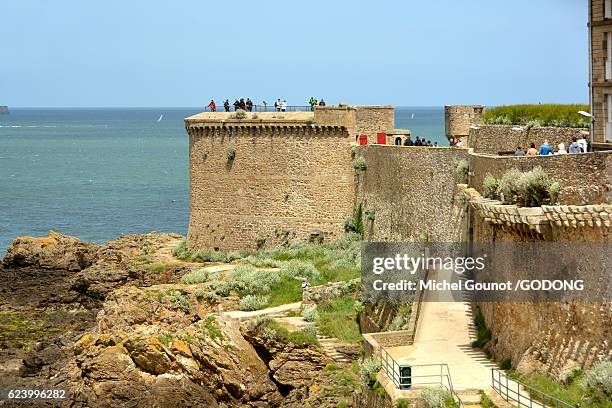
(404, 377)
(265, 108)
(510, 390)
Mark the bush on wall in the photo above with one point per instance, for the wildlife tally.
(538, 115)
(529, 189)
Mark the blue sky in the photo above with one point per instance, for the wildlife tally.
(75, 53)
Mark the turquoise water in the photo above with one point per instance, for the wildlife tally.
(100, 173)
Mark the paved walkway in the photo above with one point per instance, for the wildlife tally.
(444, 335)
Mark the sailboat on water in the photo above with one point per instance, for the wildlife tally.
(160, 117)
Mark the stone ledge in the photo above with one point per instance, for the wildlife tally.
(535, 218)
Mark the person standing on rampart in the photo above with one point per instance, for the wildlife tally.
(212, 106)
(226, 105)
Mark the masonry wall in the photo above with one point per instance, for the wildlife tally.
(493, 139)
(584, 178)
(412, 191)
(285, 181)
(550, 337)
(359, 120)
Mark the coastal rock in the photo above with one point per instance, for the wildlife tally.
(56, 251)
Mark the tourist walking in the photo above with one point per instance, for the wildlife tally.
(226, 105)
(532, 151)
(408, 141)
(212, 106)
(236, 105)
(283, 106)
(249, 105)
(545, 149)
(277, 105)
(519, 151)
(321, 102)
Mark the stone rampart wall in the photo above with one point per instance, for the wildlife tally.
(493, 139)
(284, 182)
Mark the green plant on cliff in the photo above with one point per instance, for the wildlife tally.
(462, 168)
(270, 330)
(483, 332)
(182, 252)
(355, 224)
(543, 115)
(436, 397)
(360, 164)
(338, 319)
(402, 403)
(370, 214)
(230, 152)
(253, 302)
(368, 372)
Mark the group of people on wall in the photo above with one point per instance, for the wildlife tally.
(247, 105)
(418, 142)
(579, 144)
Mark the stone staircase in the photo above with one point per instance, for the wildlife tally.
(329, 345)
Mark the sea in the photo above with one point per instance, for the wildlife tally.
(101, 173)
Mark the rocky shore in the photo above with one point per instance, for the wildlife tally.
(111, 327)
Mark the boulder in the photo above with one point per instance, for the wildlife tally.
(56, 251)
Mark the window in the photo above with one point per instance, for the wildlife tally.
(607, 8)
(608, 48)
(608, 116)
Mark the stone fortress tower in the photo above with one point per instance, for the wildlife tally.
(459, 119)
(269, 177)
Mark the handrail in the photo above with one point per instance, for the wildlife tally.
(393, 371)
(505, 387)
(265, 108)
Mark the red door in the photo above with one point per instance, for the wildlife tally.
(363, 139)
(381, 138)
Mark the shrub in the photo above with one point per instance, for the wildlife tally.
(305, 337)
(368, 372)
(506, 364)
(230, 153)
(207, 255)
(298, 269)
(508, 186)
(181, 251)
(199, 293)
(463, 169)
(360, 164)
(235, 255)
(248, 280)
(435, 397)
(209, 297)
(342, 404)
(538, 115)
(490, 186)
(239, 114)
(199, 276)
(253, 302)
(310, 314)
(599, 379)
(402, 403)
(180, 301)
(212, 328)
(220, 288)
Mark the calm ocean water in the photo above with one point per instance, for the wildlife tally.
(100, 173)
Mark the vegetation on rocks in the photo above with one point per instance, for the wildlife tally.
(360, 164)
(436, 397)
(483, 332)
(462, 167)
(369, 370)
(339, 319)
(538, 115)
(270, 330)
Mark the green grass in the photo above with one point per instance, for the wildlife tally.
(338, 319)
(538, 115)
(270, 329)
(485, 401)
